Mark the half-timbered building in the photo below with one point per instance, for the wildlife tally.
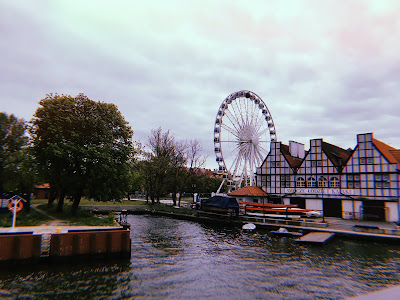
(372, 173)
(278, 171)
(362, 183)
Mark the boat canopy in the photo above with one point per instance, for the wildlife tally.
(223, 202)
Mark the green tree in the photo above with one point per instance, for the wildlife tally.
(12, 140)
(83, 148)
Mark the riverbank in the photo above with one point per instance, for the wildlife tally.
(382, 231)
(342, 228)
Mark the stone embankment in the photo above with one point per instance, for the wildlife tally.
(384, 231)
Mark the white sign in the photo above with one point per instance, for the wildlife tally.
(319, 191)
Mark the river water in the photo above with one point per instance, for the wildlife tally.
(178, 259)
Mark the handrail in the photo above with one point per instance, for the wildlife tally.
(268, 205)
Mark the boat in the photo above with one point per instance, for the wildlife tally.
(249, 227)
(284, 232)
(220, 205)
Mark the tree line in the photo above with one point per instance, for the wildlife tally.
(85, 148)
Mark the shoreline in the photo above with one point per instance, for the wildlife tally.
(341, 228)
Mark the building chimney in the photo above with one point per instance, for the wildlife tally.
(296, 149)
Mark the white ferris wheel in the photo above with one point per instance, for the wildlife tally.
(242, 133)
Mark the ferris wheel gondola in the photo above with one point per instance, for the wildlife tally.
(243, 129)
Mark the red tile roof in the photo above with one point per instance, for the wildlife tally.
(43, 186)
(390, 153)
(396, 154)
(252, 191)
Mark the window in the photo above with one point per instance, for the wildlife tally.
(311, 182)
(300, 182)
(285, 180)
(334, 182)
(366, 160)
(322, 182)
(268, 179)
(353, 181)
(382, 181)
(314, 163)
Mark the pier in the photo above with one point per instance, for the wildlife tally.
(44, 242)
(315, 237)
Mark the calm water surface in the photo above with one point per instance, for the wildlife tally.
(184, 260)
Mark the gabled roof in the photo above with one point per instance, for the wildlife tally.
(390, 153)
(294, 162)
(337, 155)
(251, 191)
(396, 155)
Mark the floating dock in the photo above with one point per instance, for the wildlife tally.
(315, 237)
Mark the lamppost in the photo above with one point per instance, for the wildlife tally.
(322, 198)
(194, 196)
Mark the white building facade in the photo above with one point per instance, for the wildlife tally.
(353, 184)
(372, 173)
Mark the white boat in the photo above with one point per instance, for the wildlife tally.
(249, 226)
(284, 232)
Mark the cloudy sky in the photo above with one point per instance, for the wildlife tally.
(325, 69)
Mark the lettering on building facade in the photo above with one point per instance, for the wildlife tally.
(319, 191)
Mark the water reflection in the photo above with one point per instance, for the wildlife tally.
(181, 259)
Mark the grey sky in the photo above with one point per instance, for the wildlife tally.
(325, 69)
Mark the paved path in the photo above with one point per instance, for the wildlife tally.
(391, 293)
(348, 224)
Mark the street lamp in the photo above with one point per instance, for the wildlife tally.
(322, 198)
(193, 187)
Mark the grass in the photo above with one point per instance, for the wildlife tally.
(23, 219)
(172, 209)
(35, 218)
(85, 201)
(83, 217)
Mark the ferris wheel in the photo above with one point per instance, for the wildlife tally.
(243, 129)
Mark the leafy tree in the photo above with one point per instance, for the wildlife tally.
(83, 148)
(12, 140)
(18, 172)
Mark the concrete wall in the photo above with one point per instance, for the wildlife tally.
(315, 204)
(392, 211)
